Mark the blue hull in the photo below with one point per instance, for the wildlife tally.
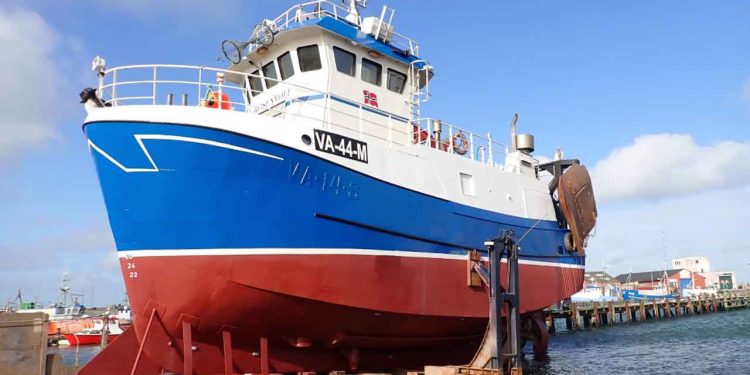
(204, 197)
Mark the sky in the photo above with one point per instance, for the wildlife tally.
(653, 97)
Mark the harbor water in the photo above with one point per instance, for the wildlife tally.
(715, 343)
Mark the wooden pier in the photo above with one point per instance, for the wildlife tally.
(598, 314)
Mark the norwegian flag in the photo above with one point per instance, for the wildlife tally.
(371, 98)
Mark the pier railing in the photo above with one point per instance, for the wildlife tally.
(186, 85)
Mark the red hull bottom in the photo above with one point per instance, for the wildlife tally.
(319, 312)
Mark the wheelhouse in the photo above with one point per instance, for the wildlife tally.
(359, 75)
(323, 65)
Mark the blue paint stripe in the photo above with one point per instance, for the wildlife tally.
(209, 197)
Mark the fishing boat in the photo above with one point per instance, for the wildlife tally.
(294, 210)
(94, 335)
(67, 315)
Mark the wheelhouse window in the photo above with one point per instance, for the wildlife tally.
(371, 71)
(344, 61)
(256, 87)
(396, 81)
(285, 65)
(309, 58)
(269, 72)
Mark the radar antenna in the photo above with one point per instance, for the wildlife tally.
(262, 36)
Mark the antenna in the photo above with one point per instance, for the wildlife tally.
(234, 49)
(64, 289)
(355, 4)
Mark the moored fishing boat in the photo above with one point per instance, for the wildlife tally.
(300, 214)
(94, 335)
(67, 315)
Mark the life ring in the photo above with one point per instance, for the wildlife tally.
(213, 100)
(460, 143)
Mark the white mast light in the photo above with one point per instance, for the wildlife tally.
(98, 65)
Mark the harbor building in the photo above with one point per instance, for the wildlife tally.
(702, 265)
(677, 279)
(721, 279)
(694, 264)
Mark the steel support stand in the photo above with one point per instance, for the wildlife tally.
(505, 300)
(187, 348)
(143, 342)
(226, 337)
(265, 366)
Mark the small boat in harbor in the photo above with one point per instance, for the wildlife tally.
(93, 336)
(66, 316)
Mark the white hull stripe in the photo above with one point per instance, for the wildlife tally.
(305, 251)
(140, 137)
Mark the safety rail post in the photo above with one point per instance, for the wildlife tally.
(428, 127)
(390, 131)
(490, 160)
(471, 146)
(153, 92)
(200, 83)
(101, 84)
(450, 137)
(220, 83)
(114, 87)
(409, 133)
(361, 124)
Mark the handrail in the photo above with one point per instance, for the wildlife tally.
(481, 148)
(325, 8)
(154, 81)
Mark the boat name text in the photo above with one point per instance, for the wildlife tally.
(339, 145)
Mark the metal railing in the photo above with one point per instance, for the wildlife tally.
(323, 8)
(143, 84)
(158, 84)
(440, 135)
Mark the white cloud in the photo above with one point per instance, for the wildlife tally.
(666, 165)
(29, 82)
(641, 236)
(34, 261)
